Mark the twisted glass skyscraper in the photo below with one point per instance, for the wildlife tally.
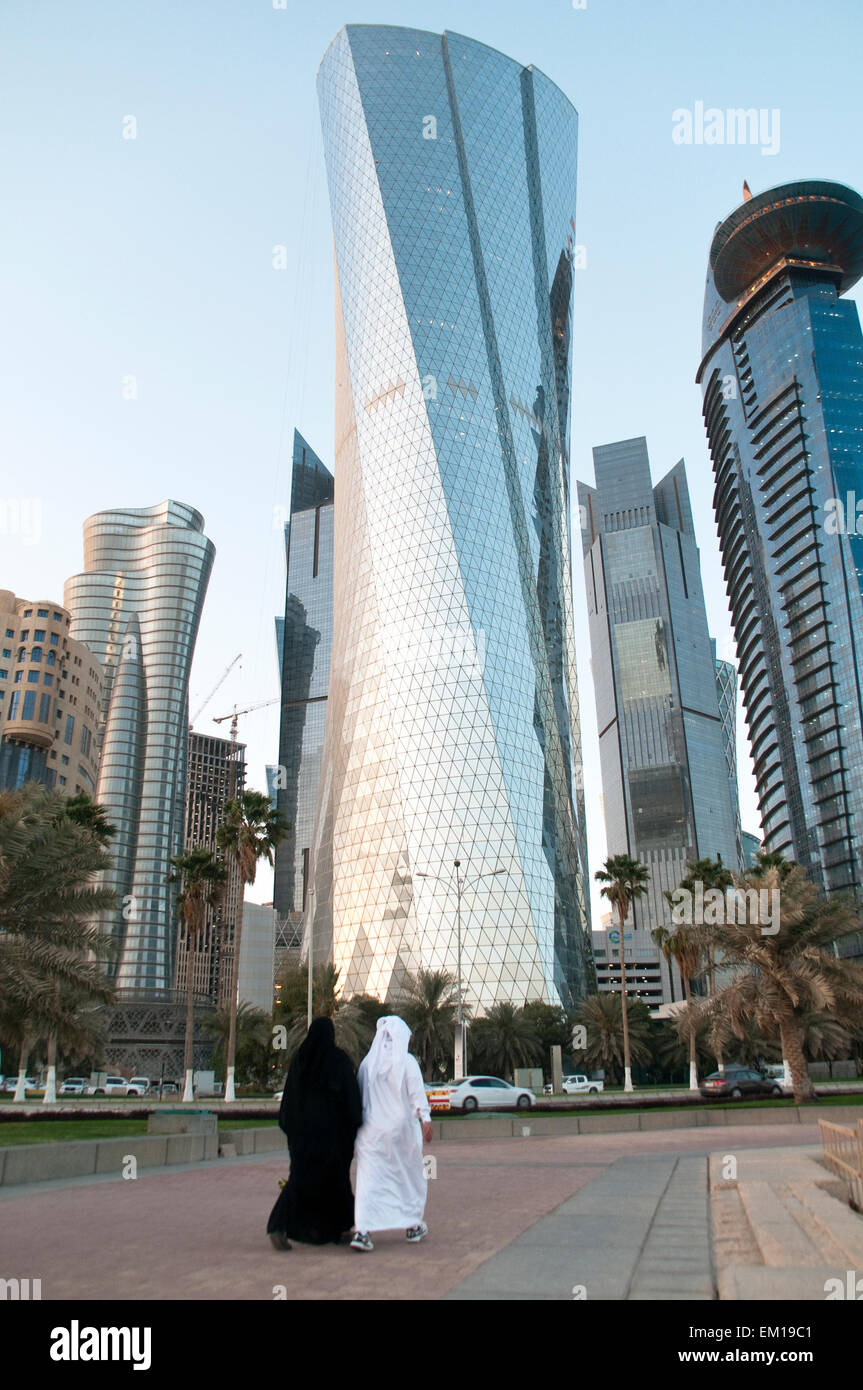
(452, 728)
(782, 376)
(137, 606)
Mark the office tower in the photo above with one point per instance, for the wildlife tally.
(257, 959)
(452, 726)
(137, 607)
(304, 668)
(50, 695)
(646, 974)
(665, 783)
(780, 373)
(216, 775)
(751, 846)
(726, 691)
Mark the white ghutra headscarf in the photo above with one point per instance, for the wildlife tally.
(387, 1056)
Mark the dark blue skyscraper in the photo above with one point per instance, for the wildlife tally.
(306, 635)
(782, 377)
(665, 780)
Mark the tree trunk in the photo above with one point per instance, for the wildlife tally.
(20, 1090)
(232, 1002)
(50, 1096)
(720, 1060)
(693, 1056)
(792, 1051)
(627, 1060)
(189, 1049)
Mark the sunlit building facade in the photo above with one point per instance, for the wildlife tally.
(452, 723)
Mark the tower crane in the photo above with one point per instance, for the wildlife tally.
(223, 677)
(262, 704)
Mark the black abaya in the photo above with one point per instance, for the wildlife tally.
(321, 1112)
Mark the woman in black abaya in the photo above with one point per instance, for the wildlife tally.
(321, 1112)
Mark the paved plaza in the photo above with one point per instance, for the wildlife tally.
(589, 1216)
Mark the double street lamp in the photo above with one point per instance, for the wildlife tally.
(460, 1050)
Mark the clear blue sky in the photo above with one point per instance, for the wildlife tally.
(152, 258)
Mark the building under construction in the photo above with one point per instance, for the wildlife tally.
(217, 773)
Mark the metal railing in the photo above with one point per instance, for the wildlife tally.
(842, 1147)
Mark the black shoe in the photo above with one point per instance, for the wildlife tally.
(280, 1240)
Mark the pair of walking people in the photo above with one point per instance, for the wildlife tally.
(327, 1112)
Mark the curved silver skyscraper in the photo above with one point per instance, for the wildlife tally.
(137, 606)
(781, 375)
(452, 727)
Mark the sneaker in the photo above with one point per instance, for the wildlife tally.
(418, 1232)
(280, 1240)
(361, 1241)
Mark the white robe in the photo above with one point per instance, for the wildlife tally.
(391, 1182)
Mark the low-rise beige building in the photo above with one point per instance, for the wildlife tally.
(50, 696)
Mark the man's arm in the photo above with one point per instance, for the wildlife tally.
(417, 1095)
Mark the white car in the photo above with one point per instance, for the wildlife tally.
(29, 1084)
(579, 1085)
(139, 1086)
(488, 1093)
(73, 1086)
(113, 1086)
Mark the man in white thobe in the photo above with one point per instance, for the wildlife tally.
(391, 1182)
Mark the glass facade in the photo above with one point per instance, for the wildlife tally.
(782, 379)
(304, 665)
(452, 725)
(726, 690)
(138, 606)
(666, 786)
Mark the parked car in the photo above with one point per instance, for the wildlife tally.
(138, 1086)
(30, 1084)
(489, 1093)
(776, 1071)
(113, 1086)
(73, 1086)
(580, 1085)
(736, 1083)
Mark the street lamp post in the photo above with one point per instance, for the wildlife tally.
(460, 1046)
(311, 911)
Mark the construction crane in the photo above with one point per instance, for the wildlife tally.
(262, 704)
(223, 677)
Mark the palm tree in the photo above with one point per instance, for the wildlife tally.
(625, 880)
(684, 944)
(254, 1041)
(48, 861)
(602, 1017)
(430, 1008)
(505, 1039)
(83, 810)
(250, 831)
(786, 975)
(86, 812)
(203, 879)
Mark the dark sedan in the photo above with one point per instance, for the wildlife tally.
(738, 1083)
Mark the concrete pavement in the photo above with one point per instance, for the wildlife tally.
(528, 1218)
